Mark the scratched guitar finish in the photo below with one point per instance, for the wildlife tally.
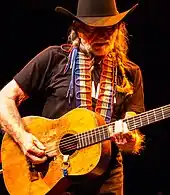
(65, 136)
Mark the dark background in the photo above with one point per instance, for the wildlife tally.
(29, 26)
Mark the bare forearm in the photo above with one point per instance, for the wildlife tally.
(10, 118)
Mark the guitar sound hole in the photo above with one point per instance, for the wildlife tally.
(68, 144)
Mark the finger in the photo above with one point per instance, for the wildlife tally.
(35, 159)
(38, 143)
(128, 137)
(124, 140)
(121, 138)
(36, 151)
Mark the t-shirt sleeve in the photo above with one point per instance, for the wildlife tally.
(32, 77)
(135, 102)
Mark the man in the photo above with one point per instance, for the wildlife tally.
(91, 71)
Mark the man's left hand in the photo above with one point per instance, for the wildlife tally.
(121, 133)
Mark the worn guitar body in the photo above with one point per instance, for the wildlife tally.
(19, 176)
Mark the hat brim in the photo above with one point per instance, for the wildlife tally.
(97, 21)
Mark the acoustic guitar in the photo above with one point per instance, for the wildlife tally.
(81, 142)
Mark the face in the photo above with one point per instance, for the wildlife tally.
(100, 39)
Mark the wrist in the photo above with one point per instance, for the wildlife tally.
(19, 136)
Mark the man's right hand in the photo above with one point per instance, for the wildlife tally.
(32, 148)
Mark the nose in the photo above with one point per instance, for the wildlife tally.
(103, 33)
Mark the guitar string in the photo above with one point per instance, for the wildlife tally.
(138, 122)
(85, 136)
(71, 147)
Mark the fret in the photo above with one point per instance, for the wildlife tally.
(107, 131)
(141, 123)
(79, 141)
(82, 140)
(134, 123)
(88, 138)
(154, 115)
(85, 138)
(91, 136)
(128, 123)
(95, 137)
(159, 112)
(159, 115)
(99, 135)
(147, 118)
(162, 113)
(143, 120)
(137, 121)
(151, 117)
(166, 112)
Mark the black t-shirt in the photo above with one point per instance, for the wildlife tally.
(44, 77)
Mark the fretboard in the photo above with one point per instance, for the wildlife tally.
(104, 132)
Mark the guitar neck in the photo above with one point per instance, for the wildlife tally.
(105, 132)
(148, 117)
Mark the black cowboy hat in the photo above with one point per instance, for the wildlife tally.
(96, 13)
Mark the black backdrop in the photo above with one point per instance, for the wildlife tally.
(27, 27)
